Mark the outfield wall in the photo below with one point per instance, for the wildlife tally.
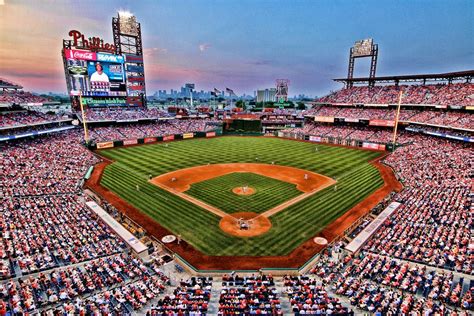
(149, 140)
(337, 141)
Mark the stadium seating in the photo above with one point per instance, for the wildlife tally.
(249, 296)
(56, 256)
(162, 128)
(441, 94)
(191, 297)
(21, 97)
(18, 118)
(308, 296)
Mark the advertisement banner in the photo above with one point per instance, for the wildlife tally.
(382, 147)
(80, 54)
(105, 145)
(134, 59)
(110, 58)
(210, 134)
(382, 123)
(351, 120)
(188, 135)
(104, 101)
(149, 140)
(328, 119)
(130, 142)
(470, 107)
(132, 68)
(136, 88)
(315, 139)
(370, 145)
(167, 138)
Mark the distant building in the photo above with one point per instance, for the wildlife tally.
(267, 95)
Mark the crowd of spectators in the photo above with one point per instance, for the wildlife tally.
(438, 117)
(47, 231)
(18, 118)
(383, 285)
(252, 295)
(160, 128)
(309, 297)
(123, 113)
(108, 277)
(349, 132)
(191, 297)
(56, 254)
(21, 97)
(433, 225)
(440, 94)
(47, 165)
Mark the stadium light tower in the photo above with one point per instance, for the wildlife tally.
(362, 49)
(282, 90)
(128, 42)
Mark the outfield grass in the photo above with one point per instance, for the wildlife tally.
(292, 226)
(268, 192)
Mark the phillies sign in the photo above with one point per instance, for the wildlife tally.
(92, 43)
(80, 54)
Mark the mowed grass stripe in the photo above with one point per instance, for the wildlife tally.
(218, 192)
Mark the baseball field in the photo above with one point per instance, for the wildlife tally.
(338, 178)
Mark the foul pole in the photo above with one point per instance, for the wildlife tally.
(86, 133)
(395, 128)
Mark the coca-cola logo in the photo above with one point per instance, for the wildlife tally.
(80, 54)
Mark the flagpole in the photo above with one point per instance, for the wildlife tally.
(395, 128)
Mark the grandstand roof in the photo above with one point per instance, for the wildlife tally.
(8, 84)
(449, 76)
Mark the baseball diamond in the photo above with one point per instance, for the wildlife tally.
(356, 179)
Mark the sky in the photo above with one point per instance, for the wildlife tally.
(243, 44)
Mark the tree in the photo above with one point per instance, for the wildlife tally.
(301, 106)
(240, 104)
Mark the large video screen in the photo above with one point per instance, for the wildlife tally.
(95, 74)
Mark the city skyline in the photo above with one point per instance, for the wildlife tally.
(244, 45)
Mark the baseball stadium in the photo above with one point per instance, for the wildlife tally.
(116, 200)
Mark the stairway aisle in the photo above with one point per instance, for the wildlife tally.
(215, 294)
(284, 300)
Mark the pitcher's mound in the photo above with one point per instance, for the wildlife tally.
(245, 224)
(243, 190)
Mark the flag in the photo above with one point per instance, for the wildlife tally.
(215, 92)
(229, 91)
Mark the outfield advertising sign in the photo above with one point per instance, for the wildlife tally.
(168, 138)
(149, 140)
(373, 146)
(327, 119)
(315, 139)
(105, 145)
(382, 123)
(188, 135)
(130, 142)
(210, 134)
